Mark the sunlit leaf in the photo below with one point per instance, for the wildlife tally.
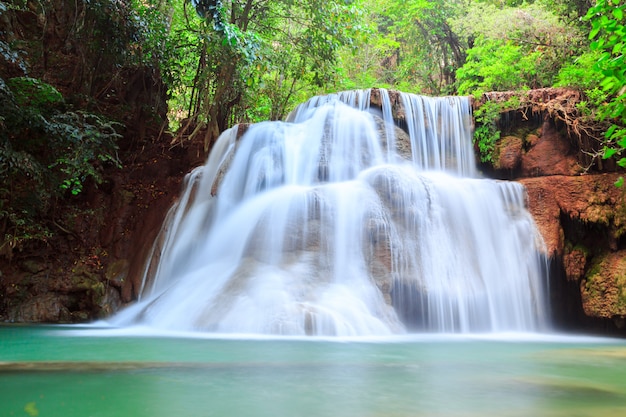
(608, 153)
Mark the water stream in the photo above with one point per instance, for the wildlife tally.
(347, 219)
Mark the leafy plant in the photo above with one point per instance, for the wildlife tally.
(581, 73)
(45, 152)
(487, 133)
(608, 22)
(496, 65)
(84, 140)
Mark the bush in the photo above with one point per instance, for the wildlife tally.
(496, 65)
(46, 153)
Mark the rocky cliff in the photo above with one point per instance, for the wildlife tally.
(578, 209)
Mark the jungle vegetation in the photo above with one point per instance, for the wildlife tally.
(222, 62)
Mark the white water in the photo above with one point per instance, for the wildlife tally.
(330, 224)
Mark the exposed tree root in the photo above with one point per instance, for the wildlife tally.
(561, 105)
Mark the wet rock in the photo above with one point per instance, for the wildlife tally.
(550, 154)
(603, 289)
(575, 263)
(44, 308)
(586, 199)
(116, 272)
(111, 302)
(509, 151)
(33, 266)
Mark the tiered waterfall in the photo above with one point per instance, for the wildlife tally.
(347, 219)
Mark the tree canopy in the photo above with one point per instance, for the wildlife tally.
(222, 62)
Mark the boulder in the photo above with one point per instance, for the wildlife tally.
(603, 288)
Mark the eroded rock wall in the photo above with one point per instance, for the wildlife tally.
(573, 198)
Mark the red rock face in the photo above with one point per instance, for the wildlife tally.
(572, 197)
(593, 201)
(510, 153)
(581, 219)
(550, 154)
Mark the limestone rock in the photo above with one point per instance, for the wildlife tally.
(44, 308)
(117, 272)
(550, 154)
(603, 289)
(575, 263)
(586, 199)
(509, 153)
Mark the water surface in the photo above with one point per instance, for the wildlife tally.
(74, 371)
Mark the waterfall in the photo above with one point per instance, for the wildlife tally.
(347, 219)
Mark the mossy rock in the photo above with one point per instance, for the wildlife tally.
(603, 288)
(34, 93)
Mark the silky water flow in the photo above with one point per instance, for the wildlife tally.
(339, 222)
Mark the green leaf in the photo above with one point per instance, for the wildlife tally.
(622, 162)
(610, 131)
(608, 152)
(619, 182)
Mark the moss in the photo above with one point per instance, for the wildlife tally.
(35, 93)
(596, 268)
(570, 247)
(604, 286)
(583, 249)
(619, 219)
(620, 283)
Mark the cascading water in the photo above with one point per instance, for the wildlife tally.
(338, 222)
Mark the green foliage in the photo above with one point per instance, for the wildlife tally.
(255, 57)
(486, 133)
(569, 10)
(496, 65)
(82, 141)
(608, 31)
(34, 93)
(228, 62)
(532, 32)
(581, 73)
(408, 46)
(46, 153)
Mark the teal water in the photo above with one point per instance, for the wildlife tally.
(80, 372)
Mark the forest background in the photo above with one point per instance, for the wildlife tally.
(218, 63)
